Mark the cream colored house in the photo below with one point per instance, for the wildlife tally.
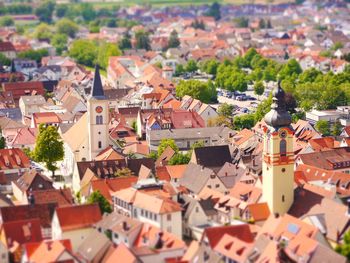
(75, 223)
(31, 104)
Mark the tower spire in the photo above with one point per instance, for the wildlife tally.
(97, 87)
(278, 116)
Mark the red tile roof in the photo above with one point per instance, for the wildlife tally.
(21, 231)
(214, 234)
(13, 159)
(19, 89)
(80, 216)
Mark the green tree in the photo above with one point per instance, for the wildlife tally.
(337, 128)
(210, 66)
(245, 121)
(59, 41)
(124, 172)
(61, 10)
(48, 147)
(322, 127)
(2, 140)
(105, 51)
(225, 110)
(337, 45)
(84, 52)
(67, 27)
(164, 143)
(214, 11)
(200, 90)
(242, 21)
(7, 21)
(292, 67)
(97, 198)
(142, 40)
(45, 10)
(191, 66)
(36, 55)
(259, 88)
(4, 61)
(125, 42)
(88, 12)
(180, 158)
(344, 248)
(43, 31)
(179, 70)
(173, 40)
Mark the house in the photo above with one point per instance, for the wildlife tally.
(17, 233)
(7, 49)
(94, 247)
(185, 138)
(197, 213)
(19, 89)
(156, 207)
(121, 251)
(13, 162)
(122, 229)
(213, 157)
(28, 182)
(50, 72)
(156, 245)
(45, 118)
(75, 223)
(49, 251)
(197, 177)
(22, 138)
(171, 173)
(43, 212)
(6, 100)
(25, 66)
(31, 104)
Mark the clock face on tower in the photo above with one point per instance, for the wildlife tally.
(98, 109)
(283, 133)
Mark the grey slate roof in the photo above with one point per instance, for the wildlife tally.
(195, 177)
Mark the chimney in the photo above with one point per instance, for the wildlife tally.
(159, 244)
(49, 245)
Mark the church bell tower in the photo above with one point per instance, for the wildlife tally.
(98, 117)
(278, 156)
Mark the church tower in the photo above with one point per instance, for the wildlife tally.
(98, 114)
(278, 156)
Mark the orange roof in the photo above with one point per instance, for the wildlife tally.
(241, 232)
(121, 252)
(323, 144)
(259, 211)
(47, 251)
(242, 136)
(150, 233)
(176, 171)
(109, 154)
(13, 159)
(46, 118)
(76, 217)
(233, 248)
(173, 104)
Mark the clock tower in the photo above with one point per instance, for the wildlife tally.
(98, 117)
(278, 156)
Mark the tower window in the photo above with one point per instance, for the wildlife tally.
(283, 198)
(283, 170)
(99, 119)
(283, 147)
(99, 144)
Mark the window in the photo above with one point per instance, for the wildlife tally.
(141, 212)
(116, 235)
(146, 213)
(99, 144)
(197, 209)
(283, 147)
(283, 198)
(155, 217)
(168, 217)
(99, 119)
(217, 186)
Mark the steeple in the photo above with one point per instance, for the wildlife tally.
(278, 116)
(97, 87)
